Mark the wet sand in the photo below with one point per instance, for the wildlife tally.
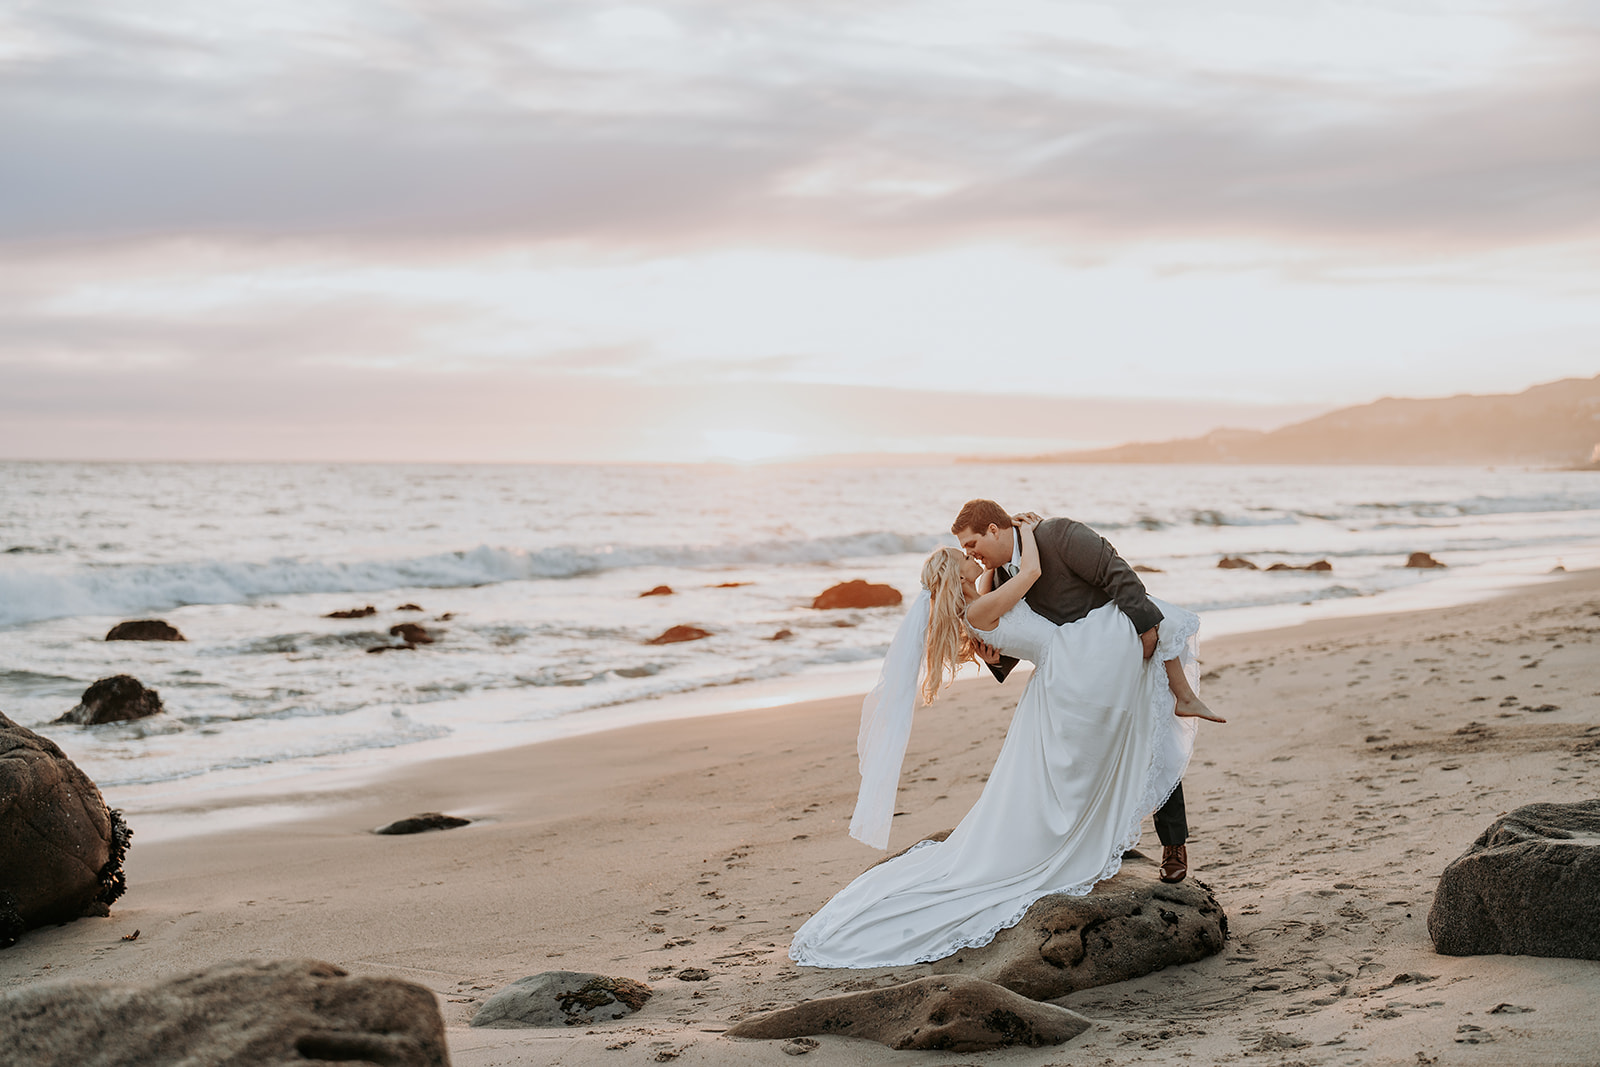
(1361, 756)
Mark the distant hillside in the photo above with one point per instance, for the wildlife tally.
(1557, 424)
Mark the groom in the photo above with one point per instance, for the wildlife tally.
(1080, 572)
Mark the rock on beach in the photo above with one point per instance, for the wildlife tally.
(562, 998)
(115, 699)
(263, 1013)
(1528, 886)
(144, 630)
(419, 824)
(857, 594)
(1129, 926)
(1236, 563)
(1422, 561)
(61, 848)
(952, 1013)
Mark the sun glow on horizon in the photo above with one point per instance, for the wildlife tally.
(750, 446)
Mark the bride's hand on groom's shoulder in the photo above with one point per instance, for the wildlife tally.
(1027, 518)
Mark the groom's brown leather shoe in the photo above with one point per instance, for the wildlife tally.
(1174, 863)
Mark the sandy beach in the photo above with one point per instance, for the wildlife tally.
(1361, 756)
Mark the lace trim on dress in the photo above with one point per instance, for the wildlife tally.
(1181, 642)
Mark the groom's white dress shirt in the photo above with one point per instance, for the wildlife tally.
(1016, 555)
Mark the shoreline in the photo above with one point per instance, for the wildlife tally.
(1321, 815)
(182, 807)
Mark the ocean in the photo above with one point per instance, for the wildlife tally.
(529, 578)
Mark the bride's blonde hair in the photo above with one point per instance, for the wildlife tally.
(948, 645)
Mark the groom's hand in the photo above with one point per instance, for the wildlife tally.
(988, 653)
(1148, 640)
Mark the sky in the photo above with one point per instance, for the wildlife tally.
(687, 230)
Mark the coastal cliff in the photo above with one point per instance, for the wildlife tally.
(1552, 425)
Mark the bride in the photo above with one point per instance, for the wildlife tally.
(1094, 746)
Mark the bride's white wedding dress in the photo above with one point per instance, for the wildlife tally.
(1093, 748)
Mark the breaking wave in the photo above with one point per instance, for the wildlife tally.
(28, 595)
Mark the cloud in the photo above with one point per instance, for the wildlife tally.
(692, 124)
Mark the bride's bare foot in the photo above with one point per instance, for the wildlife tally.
(1195, 708)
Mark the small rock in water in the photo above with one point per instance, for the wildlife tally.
(411, 633)
(118, 698)
(1140, 568)
(660, 590)
(562, 998)
(1422, 561)
(417, 824)
(352, 613)
(857, 594)
(1236, 563)
(144, 630)
(676, 634)
(781, 635)
(409, 607)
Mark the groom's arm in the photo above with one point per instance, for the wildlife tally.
(1091, 557)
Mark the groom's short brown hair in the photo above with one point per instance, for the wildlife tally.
(976, 515)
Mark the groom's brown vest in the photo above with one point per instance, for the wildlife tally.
(1079, 571)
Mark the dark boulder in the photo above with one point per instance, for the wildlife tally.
(352, 613)
(857, 594)
(951, 1013)
(562, 998)
(660, 590)
(256, 1013)
(144, 630)
(428, 820)
(675, 634)
(1236, 563)
(781, 635)
(409, 607)
(1422, 561)
(1319, 565)
(61, 848)
(115, 699)
(1128, 926)
(411, 633)
(1528, 886)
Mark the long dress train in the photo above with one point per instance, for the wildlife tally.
(1093, 748)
